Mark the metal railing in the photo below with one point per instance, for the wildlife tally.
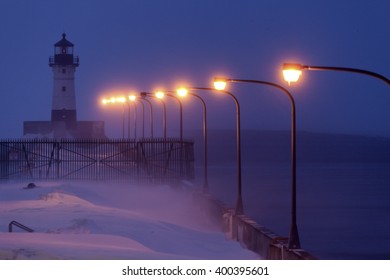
(19, 225)
(152, 160)
(68, 59)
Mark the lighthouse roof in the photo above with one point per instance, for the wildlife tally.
(63, 42)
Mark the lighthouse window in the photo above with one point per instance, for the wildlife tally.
(63, 88)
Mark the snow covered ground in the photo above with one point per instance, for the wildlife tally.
(103, 220)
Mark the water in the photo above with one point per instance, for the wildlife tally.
(343, 187)
(343, 208)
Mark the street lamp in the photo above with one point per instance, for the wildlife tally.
(239, 204)
(113, 100)
(133, 98)
(183, 92)
(143, 98)
(220, 83)
(292, 71)
(122, 100)
(143, 117)
(161, 95)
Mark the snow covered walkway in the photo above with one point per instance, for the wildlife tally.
(108, 221)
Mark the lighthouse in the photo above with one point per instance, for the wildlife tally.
(63, 65)
(64, 122)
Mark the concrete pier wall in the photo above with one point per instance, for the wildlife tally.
(247, 232)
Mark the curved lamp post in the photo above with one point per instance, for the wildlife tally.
(182, 92)
(292, 71)
(131, 99)
(159, 96)
(114, 100)
(239, 204)
(143, 98)
(143, 118)
(293, 243)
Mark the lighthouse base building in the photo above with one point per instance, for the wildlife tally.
(59, 129)
(64, 123)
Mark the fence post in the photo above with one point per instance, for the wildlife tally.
(157, 160)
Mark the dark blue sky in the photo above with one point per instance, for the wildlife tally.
(143, 45)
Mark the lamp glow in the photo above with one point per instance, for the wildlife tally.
(132, 97)
(120, 99)
(182, 92)
(220, 83)
(160, 94)
(292, 72)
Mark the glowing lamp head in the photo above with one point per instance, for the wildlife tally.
(160, 94)
(105, 101)
(132, 97)
(220, 83)
(182, 92)
(120, 99)
(292, 72)
(112, 100)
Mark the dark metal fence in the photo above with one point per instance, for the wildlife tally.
(149, 160)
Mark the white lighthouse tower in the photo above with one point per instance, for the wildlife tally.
(64, 65)
(64, 123)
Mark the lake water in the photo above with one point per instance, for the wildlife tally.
(343, 189)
